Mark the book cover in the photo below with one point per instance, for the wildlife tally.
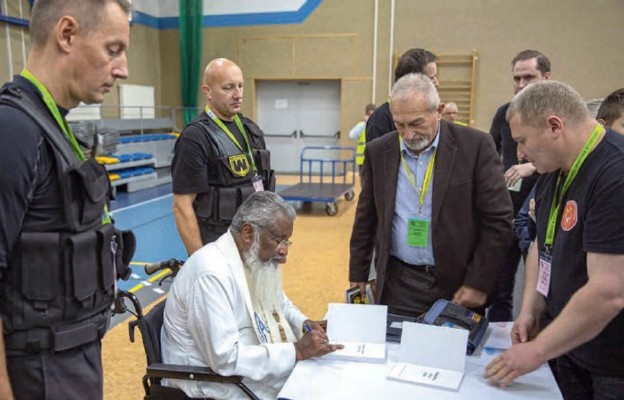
(360, 328)
(354, 295)
(431, 355)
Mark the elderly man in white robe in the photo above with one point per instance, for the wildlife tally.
(227, 310)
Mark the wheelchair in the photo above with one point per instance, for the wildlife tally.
(150, 325)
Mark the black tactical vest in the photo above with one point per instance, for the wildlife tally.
(232, 183)
(58, 288)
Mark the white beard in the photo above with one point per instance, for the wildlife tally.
(418, 143)
(264, 279)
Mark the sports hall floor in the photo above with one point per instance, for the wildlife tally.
(316, 272)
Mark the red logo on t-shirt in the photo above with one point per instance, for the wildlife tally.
(569, 217)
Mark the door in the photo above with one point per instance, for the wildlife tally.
(297, 113)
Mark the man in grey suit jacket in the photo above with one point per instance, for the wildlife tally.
(435, 206)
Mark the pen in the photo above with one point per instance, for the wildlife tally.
(307, 328)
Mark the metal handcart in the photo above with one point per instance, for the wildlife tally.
(326, 173)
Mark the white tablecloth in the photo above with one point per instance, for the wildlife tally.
(325, 379)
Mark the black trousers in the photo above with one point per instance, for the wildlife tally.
(577, 383)
(502, 308)
(67, 375)
(409, 290)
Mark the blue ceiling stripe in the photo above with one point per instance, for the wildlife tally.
(14, 20)
(141, 18)
(212, 21)
(169, 23)
(215, 21)
(269, 18)
(307, 8)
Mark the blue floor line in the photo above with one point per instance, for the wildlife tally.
(153, 224)
(118, 210)
(124, 199)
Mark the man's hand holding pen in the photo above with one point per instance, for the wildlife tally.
(314, 342)
(309, 325)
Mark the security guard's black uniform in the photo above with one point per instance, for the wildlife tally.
(208, 162)
(60, 256)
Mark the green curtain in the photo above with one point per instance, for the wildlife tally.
(191, 13)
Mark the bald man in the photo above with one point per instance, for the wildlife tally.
(219, 160)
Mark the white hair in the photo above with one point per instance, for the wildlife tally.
(416, 83)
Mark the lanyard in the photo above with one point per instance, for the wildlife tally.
(576, 166)
(428, 174)
(241, 128)
(53, 108)
(60, 121)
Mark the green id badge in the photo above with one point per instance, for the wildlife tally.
(417, 232)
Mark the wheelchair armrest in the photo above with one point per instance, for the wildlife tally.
(188, 372)
(206, 374)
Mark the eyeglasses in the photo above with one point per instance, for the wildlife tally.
(279, 242)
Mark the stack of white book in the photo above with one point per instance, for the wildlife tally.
(431, 355)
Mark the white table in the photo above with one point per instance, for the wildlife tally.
(325, 379)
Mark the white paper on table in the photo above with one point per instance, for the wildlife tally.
(431, 355)
(361, 328)
(357, 351)
(500, 335)
(426, 375)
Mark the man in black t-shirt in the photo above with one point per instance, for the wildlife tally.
(414, 61)
(57, 278)
(219, 160)
(528, 66)
(575, 268)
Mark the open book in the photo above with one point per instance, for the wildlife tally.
(431, 355)
(360, 328)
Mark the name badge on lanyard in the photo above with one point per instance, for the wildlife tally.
(418, 227)
(257, 183)
(545, 258)
(418, 232)
(543, 277)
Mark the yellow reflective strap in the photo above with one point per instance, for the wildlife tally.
(53, 108)
(240, 126)
(63, 125)
(576, 166)
(428, 174)
(106, 217)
